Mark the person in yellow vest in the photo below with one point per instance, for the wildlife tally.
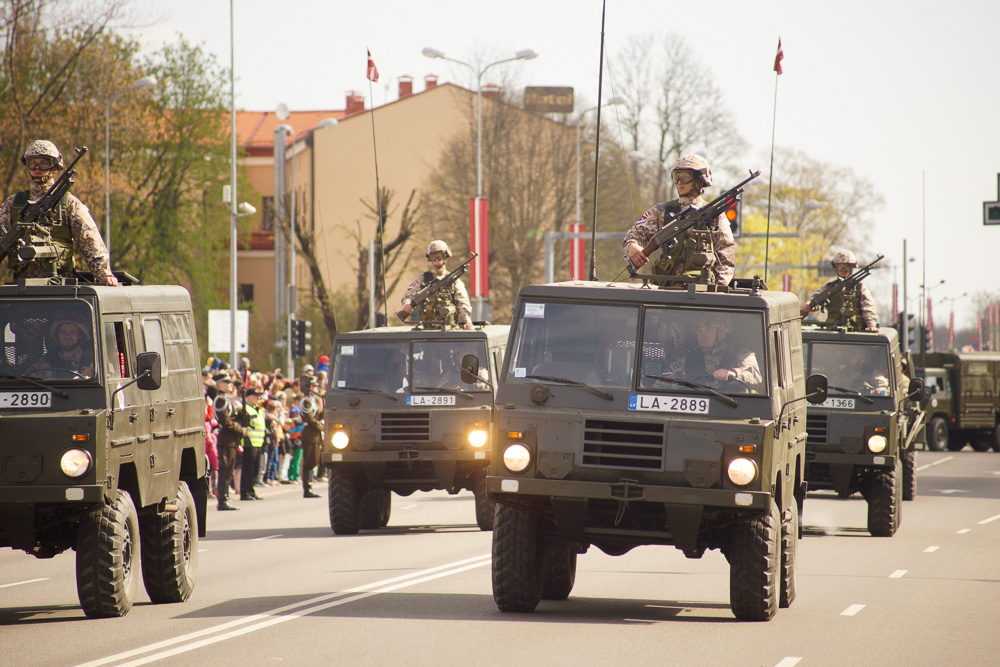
(252, 444)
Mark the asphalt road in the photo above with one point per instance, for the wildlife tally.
(276, 586)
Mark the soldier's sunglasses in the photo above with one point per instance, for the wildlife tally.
(40, 164)
(683, 177)
(435, 256)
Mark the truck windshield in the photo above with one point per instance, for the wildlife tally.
(399, 367)
(48, 340)
(852, 367)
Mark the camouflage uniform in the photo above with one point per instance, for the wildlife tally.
(854, 308)
(449, 304)
(700, 362)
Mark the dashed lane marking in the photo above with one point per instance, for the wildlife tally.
(963, 531)
(930, 550)
(898, 574)
(935, 463)
(990, 520)
(788, 661)
(852, 610)
(21, 583)
(266, 537)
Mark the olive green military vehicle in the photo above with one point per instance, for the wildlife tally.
(961, 399)
(861, 439)
(630, 416)
(102, 436)
(401, 418)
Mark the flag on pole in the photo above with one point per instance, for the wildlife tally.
(778, 57)
(372, 73)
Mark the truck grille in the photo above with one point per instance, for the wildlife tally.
(817, 430)
(623, 444)
(405, 427)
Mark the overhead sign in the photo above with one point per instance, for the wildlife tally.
(548, 99)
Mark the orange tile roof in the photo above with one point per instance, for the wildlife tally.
(255, 129)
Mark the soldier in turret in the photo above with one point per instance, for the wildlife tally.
(713, 249)
(854, 308)
(450, 305)
(69, 223)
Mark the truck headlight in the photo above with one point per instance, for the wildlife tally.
(340, 439)
(877, 443)
(517, 457)
(742, 471)
(477, 437)
(75, 463)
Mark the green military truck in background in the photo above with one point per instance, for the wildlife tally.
(612, 430)
(107, 459)
(400, 418)
(861, 439)
(961, 399)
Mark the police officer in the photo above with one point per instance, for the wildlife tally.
(851, 307)
(450, 304)
(230, 435)
(312, 433)
(69, 222)
(713, 248)
(252, 445)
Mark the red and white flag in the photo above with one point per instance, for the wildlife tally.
(778, 57)
(372, 73)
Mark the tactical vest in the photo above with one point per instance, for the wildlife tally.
(693, 254)
(60, 229)
(440, 306)
(255, 432)
(844, 308)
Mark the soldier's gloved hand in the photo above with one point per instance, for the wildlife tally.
(111, 281)
(635, 255)
(467, 325)
(806, 309)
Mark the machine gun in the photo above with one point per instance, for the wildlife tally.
(436, 285)
(678, 223)
(27, 239)
(833, 288)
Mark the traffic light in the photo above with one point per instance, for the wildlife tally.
(300, 337)
(928, 339)
(735, 217)
(911, 332)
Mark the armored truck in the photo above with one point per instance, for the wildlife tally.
(102, 436)
(961, 399)
(401, 418)
(861, 439)
(628, 416)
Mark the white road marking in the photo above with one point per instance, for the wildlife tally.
(963, 531)
(930, 550)
(288, 613)
(935, 463)
(407, 507)
(21, 583)
(950, 491)
(990, 520)
(852, 610)
(266, 537)
(898, 574)
(789, 661)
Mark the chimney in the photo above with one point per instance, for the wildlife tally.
(491, 91)
(355, 102)
(405, 86)
(430, 81)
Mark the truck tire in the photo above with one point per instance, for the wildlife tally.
(374, 508)
(789, 543)
(170, 550)
(909, 474)
(884, 506)
(108, 557)
(754, 567)
(982, 441)
(517, 580)
(343, 502)
(558, 572)
(937, 434)
(485, 508)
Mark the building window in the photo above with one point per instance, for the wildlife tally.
(246, 294)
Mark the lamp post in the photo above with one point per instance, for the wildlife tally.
(139, 84)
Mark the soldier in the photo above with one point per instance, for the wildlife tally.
(858, 373)
(69, 351)
(714, 358)
(853, 308)
(450, 304)
(713, 249)
(230, 435)
(312, 433)
(69, 222)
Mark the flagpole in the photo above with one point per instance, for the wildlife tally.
(371, 73)
(770, 175)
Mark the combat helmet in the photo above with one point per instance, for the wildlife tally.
(697, 164)
(720, 321)
(844, 257)
(438, 246)
(43, 148)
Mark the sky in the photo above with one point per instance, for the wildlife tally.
(904, 93)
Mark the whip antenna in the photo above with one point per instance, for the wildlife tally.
(597, 151)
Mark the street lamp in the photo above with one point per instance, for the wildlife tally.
(139, 84)
(579, 131)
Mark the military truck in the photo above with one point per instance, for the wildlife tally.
(961, 399)
(861, 439)
(618, 423)
(103, 435)
(400, 418)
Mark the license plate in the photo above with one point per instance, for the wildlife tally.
(838, 403)
(25, 399)
(430, 399)
(657, 403)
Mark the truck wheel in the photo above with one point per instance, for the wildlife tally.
(517, 581)
(981, 442)
(343, 490)
(754, 563)
(485, 508)
(884, 497)
(170, 550)
(937, 434)
(108, 555)
(374, 508)
(909, 474)
(558, 572)
(789, 541)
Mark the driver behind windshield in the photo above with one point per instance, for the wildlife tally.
(713, 358)
(68, 349)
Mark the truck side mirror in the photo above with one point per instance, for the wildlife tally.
(916, 389)
(470, 369)
(817, 388)
(147, 365)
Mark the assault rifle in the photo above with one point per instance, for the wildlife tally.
(28, 240)
(676, 224)
(436, 285)
(833, 288)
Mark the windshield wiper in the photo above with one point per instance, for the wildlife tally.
(728, 400)
(458, 392)
(852, 392)
(37, 382)
(369, 391)
(576, 383)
